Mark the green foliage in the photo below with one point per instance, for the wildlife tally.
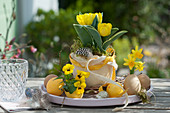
(123, 48)
(113, 31)
(95, 22)
(153, 71)
(143, 19)
(52, 32)
(83, 34)
(95, 37)
(76, 45)
(113, 38)
(89, 35)
(68, 82)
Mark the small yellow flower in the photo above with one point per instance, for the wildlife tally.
(77, 84)
(79, 90)
(85, 74)
(87, 18)
(139, 66)
(80, 84)
(137, 53)
(104, 29)
(80, 77)
(83, 85)
(67, 69)
(129, 62)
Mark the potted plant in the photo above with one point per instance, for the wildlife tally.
(92, 51)
(73, 86)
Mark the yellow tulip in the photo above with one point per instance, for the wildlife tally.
(104, 29)
(99, 17)
(80, 19)
(87, 18)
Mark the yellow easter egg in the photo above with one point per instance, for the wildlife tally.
(54, 87)
(103, 87)
(47, 78)
(114, 90)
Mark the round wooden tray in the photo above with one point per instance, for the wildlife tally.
(92, 102)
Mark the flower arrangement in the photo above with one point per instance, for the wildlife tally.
(93, 64)
(73, 86)
(94, 34)
(94, 43)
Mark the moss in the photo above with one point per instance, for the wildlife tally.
(76, 45)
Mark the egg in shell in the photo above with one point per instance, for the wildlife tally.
(54, 86)
(132, 84)
(47, 78)
(112, 89)
(145, 81)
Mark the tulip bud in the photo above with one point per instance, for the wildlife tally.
(104, 29)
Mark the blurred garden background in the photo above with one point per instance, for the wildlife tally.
(48, 26)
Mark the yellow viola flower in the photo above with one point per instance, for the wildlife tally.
(68, 69)
(77, 84)
(87, 18)
(83, 85)
(104, 29)
(139, 66)
(80, 77)
(79, 90)
(85, 74)
(137, 53)
(129, 62)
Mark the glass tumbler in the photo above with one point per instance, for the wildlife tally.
(13, 75)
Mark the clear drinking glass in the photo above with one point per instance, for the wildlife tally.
(13, 75)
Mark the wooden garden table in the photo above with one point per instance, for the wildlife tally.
(161, 105)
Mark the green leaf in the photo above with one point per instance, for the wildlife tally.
(72, 88)
(66, 88)
(72, 81)
(84, 35)
(95, 22)
(95, 36)
(114, 37)
(113, 31)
